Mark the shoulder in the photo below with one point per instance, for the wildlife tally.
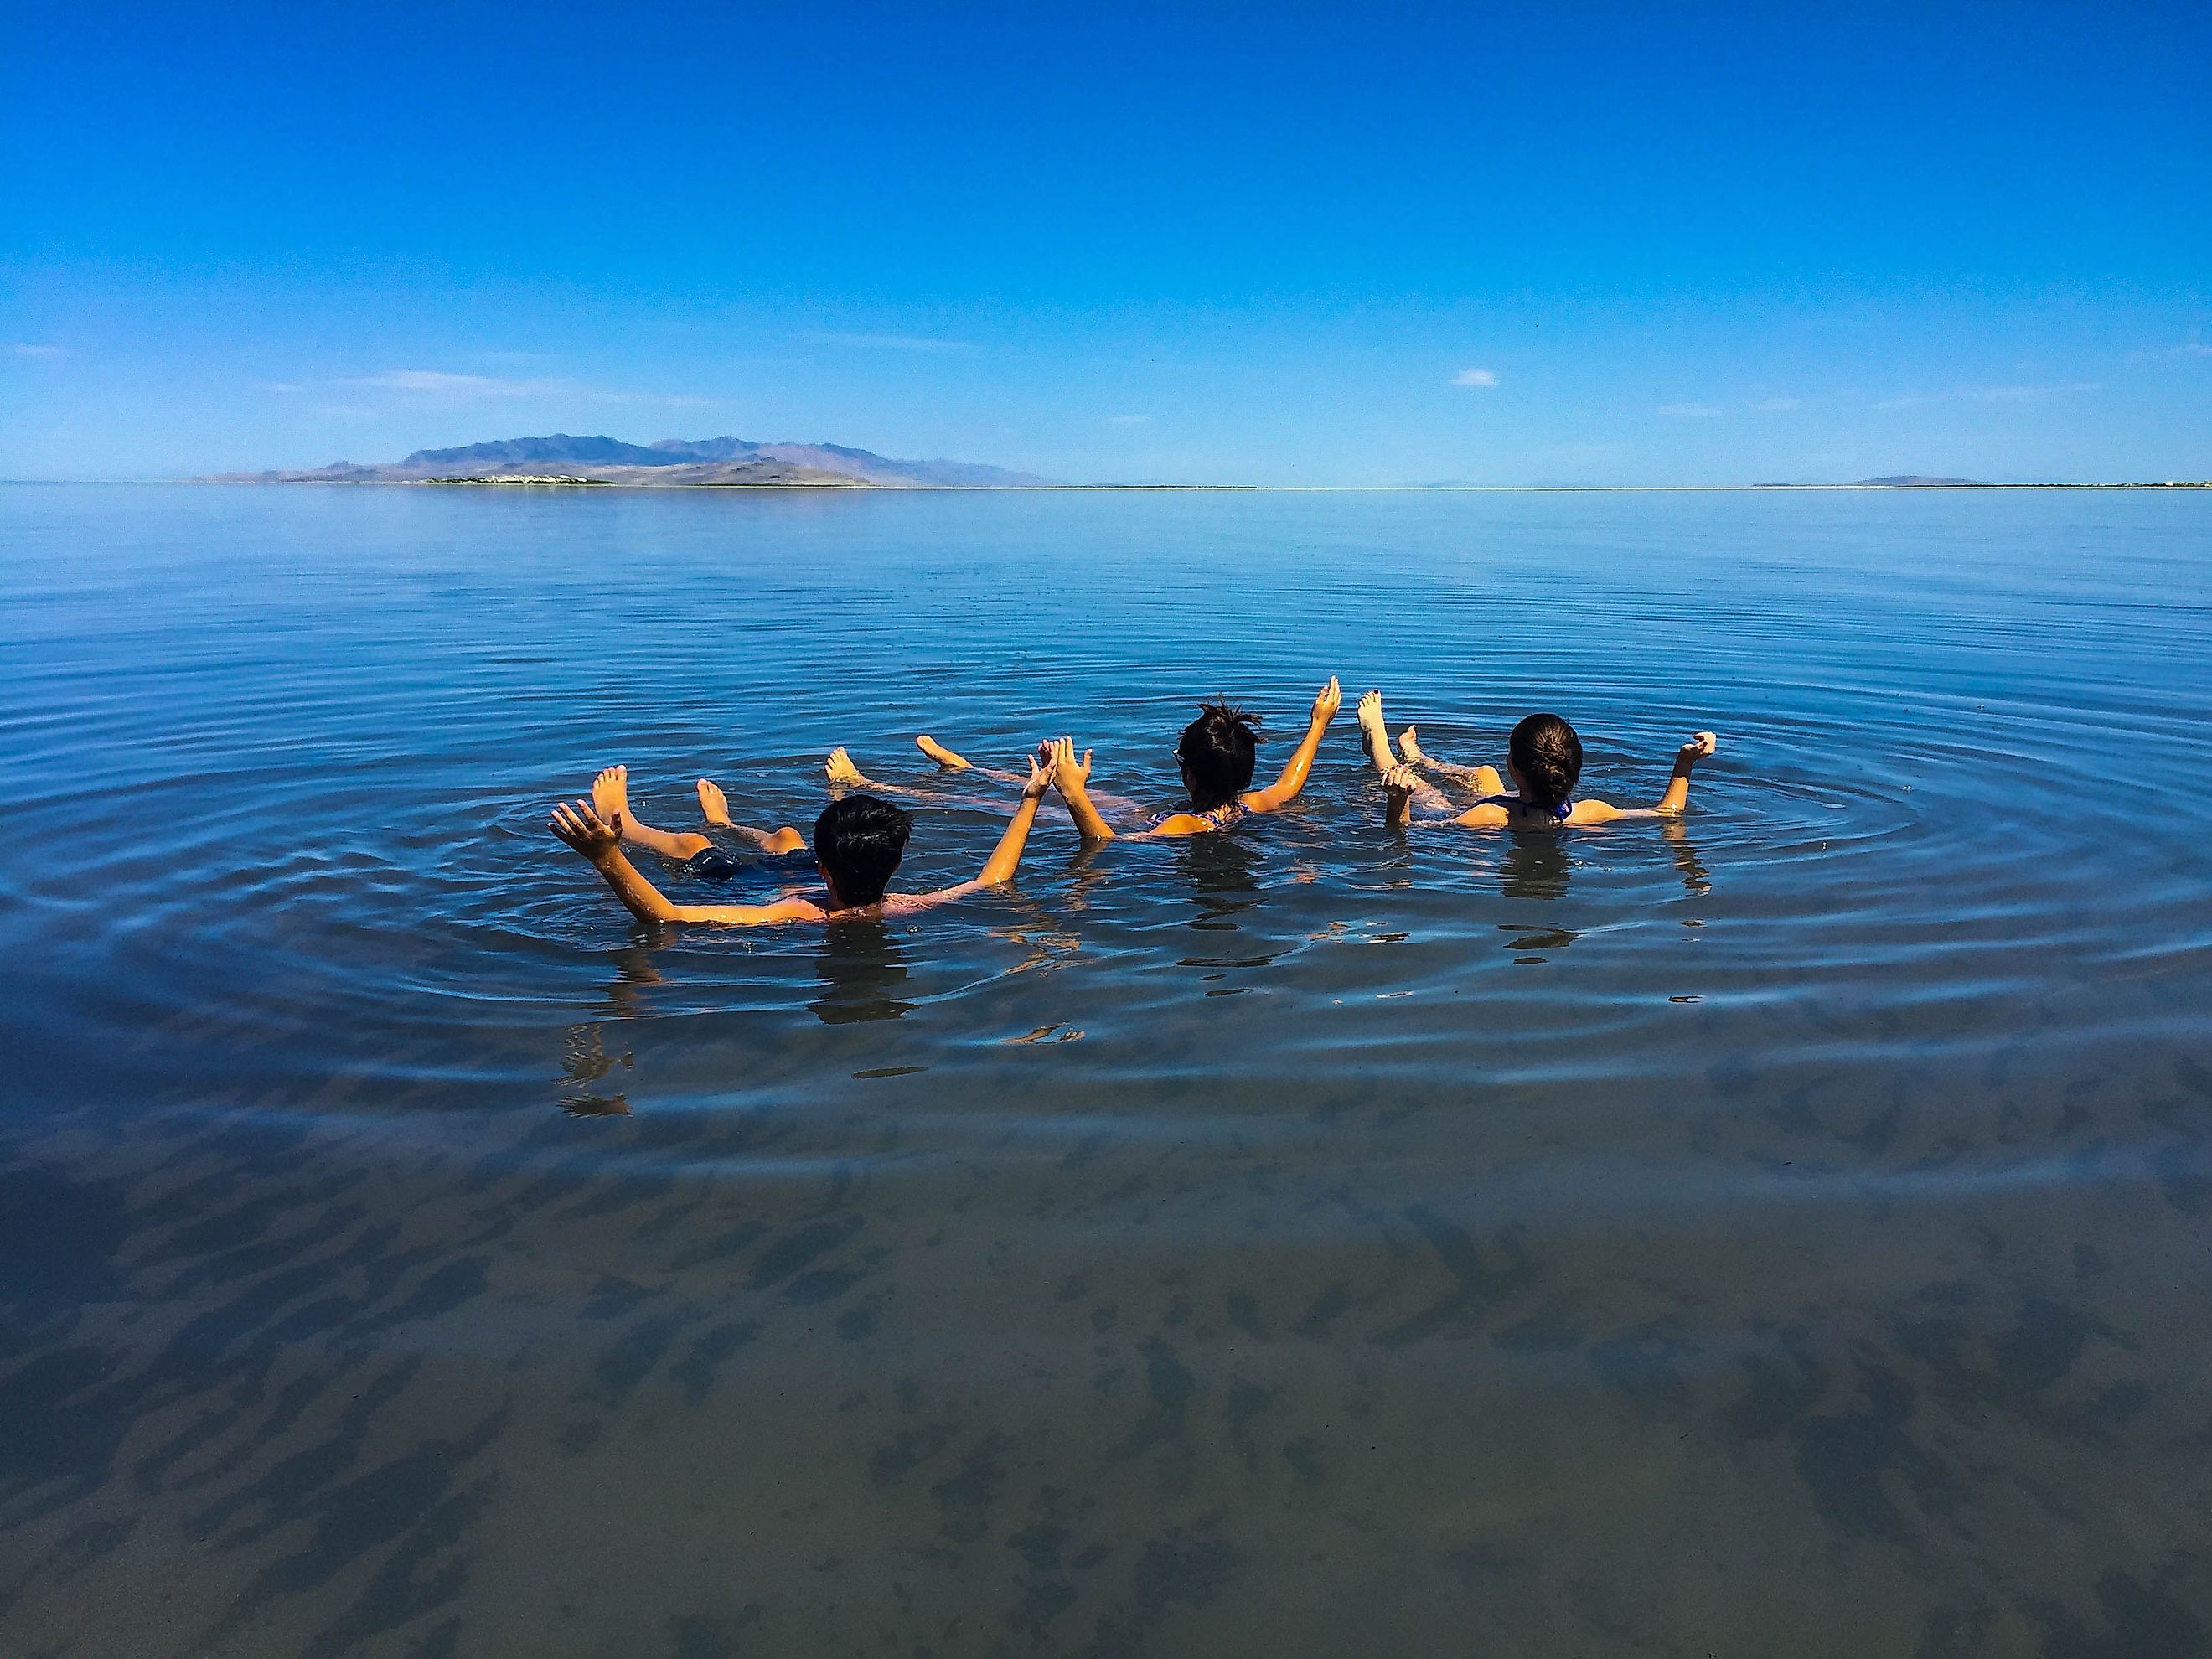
(1182, 823)
(1594, 811)
(1488, 816)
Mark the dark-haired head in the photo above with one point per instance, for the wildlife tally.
(1546, 758)
(1216, 752)
(858, 843)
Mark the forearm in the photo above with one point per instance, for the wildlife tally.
(1298, 768)
(1007, 858)
(1678, 789)
(1088, 823)
(643, 900)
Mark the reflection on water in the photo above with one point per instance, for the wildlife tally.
(1536, 863)
(860, 969)
(1771, 1233)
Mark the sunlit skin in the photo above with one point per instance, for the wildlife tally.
(599, 843)
(1405, 788)
(1071, 778)
(844, 773)
(611, 800)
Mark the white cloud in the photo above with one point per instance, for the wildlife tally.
(42, 351)
(1128, 420)
(286, 387)
(886, 342)
(1690, 411)
(1475, 377)
(1988, 394)
(440, 383)
(2187, 349)
(438, 380)
(1776, 404)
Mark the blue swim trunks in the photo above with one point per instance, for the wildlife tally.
(767, 869)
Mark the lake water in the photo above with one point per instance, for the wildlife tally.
(1781, 1233)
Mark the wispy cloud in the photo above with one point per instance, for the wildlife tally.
(442, 383)
(1988, 394)
(286, 388)
(2187, 349)
(48, 352)
(1776, 405)
(439, 382)
(1128, 420)
(886, 342)
(1485, 377)
(1690, 411)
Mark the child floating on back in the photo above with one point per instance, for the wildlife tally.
(858, 844)
(1216, 754)
(1545, 757)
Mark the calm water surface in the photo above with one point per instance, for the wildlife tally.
(1782, 1233)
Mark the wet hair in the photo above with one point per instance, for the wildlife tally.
(858, 841)
(1216, 750)
(1548, 756)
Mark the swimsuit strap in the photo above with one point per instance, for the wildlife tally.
(1219, 818)
(1514, 802)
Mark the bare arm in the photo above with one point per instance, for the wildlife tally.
(1284, 789)
(600, 844)
(1404, 788)
(1005, 858)
(1071, 778)
(1671, 805)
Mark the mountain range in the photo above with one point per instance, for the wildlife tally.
(668, 461)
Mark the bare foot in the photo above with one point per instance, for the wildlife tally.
(1374, 735)
(610, 793)
(840, 769)
(1415, 756)
(713, 805)
(938, 752)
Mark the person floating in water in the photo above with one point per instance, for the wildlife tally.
(858, 843)
(1546, 759)
(784, 848)
(1216, 754)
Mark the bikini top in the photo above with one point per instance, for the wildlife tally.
(1514, 802)
(1219, 818)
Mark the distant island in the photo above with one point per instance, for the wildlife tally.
(562, 458)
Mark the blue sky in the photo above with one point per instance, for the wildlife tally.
(1287, 244)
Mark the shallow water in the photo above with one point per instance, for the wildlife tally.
(1781, 1232)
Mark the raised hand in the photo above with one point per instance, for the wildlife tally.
(1399, 783)
(1698, 747)
(1069, 776)
(581, 827)
(1329, 700)
(1040, 779)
